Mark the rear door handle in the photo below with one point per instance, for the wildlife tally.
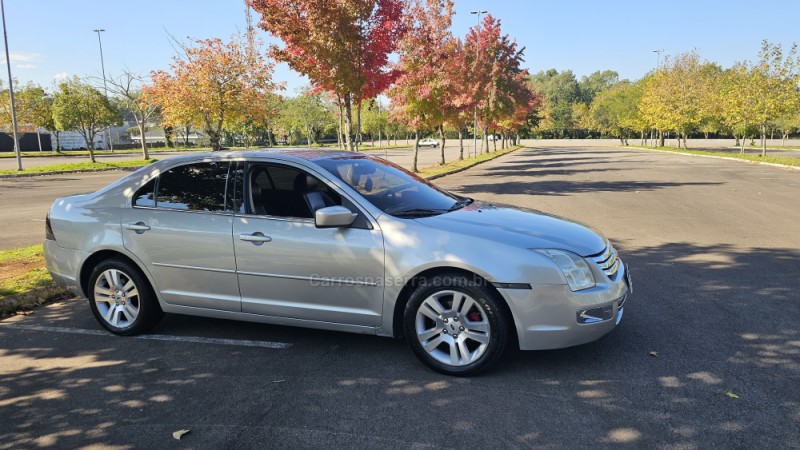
(138, 227)
(256, 238)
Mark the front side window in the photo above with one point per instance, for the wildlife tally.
(284, 191)
(391, 188)
(193, 187)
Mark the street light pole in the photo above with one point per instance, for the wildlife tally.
(105, 86)
(11, 89)
(658, 57)
(475, 117)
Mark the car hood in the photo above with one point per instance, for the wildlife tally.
(519, 227)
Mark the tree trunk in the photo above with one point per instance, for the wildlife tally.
(461, 144)
(443, 139)
(348, 123)
(213, 138)
(358, 125)
(339, 136)
(494, 140)
(485, 140)
(685, 138)
(58, 140)
(737, 140)
(660, 138)
(416, 150)
(744, 139)
(763, 139)
(642, 134)
(145, 154)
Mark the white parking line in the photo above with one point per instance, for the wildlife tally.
(151, 337)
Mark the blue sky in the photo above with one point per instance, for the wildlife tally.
(53, 38)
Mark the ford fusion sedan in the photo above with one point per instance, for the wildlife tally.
(337, 241)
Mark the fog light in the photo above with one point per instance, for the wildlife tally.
(595, 315)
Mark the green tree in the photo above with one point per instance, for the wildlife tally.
(80, 107)
(590, 86)
(614, 111)
(560, 91)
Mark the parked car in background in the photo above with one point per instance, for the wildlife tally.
(337, 241)
(428, 142)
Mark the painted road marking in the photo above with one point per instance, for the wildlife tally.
(151, 337)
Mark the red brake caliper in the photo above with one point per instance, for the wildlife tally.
(474, 316)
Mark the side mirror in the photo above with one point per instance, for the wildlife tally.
(334, 217)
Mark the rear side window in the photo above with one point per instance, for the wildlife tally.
(193, 187)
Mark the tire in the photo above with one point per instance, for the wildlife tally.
(121, 298)
(456, 325)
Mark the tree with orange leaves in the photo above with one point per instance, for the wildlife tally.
(215, 84)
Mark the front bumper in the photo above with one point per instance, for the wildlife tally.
(550, 316)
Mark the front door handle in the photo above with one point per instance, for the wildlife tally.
(138, 227)
(256, 238)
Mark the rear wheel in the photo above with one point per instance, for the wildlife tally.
(455, 325)
(122, 299)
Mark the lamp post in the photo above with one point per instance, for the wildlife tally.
(658, 57)
(475, 117)
(105, 86)
(11, 89)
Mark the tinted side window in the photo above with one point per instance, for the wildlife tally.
(198, 187)
(287, 192)
(146, 196)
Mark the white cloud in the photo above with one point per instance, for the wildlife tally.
(61, 76)
(21, 58)
(26, 66)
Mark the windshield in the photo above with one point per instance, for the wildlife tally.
(391, 188)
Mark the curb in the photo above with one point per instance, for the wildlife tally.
(760, 163)
(28, 299)
(477, 163)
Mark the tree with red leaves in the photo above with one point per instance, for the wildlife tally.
(494, 80)
(342, 46)
(421, 96)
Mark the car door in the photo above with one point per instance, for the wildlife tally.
(289, 268)
(180, 227)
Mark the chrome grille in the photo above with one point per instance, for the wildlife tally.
(608, 261)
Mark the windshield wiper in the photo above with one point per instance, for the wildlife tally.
(419, 212)
(461, 203)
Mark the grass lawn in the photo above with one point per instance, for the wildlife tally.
(783, 160)
(435, 170)
(22, 269)
(76, 166)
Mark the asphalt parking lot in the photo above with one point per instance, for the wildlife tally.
(707, 355)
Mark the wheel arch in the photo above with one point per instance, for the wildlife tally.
(101, 255)
(405, 294)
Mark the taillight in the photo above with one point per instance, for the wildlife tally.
(48, 230)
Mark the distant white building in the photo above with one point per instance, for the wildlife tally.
(72, 140)
(157, 137)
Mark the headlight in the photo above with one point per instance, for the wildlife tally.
(576, 271)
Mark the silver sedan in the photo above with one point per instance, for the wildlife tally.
(337, 241)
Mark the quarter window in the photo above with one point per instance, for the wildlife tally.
(146, 196)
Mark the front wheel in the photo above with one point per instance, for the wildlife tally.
(121, 298)
(456, 325)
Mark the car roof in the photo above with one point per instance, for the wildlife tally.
(310, 154)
